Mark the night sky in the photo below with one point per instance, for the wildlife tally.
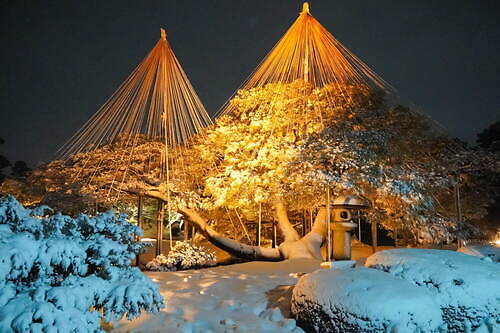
(60, 60)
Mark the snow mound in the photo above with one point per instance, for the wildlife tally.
(490, 251)
(363, 300)
(62, 274)
(183, 255)
(466, 287)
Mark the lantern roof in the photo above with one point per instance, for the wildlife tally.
(350, 201)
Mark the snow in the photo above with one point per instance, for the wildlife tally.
(256, 297)
(466, 287)
(56, 271)
(490, 251)
(182, 256)
(342, 264)
(250, 297)
(363, 300)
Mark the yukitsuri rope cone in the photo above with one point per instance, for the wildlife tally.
(156, 106)
(310, 53)
(310, 57)
(136, 137)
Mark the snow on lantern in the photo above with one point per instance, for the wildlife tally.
(341, 223)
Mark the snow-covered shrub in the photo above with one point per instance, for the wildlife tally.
(61, 274)
(183, 255)
(366, 300)
(466, 287)
(489, 251)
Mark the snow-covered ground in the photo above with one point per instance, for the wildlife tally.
(489, 251)
(250, 297)
(363, 300)
(466, 287)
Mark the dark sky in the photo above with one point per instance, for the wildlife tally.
(60, 60)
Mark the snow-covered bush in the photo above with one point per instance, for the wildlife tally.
(62, 274)
(353, 300)
(466, 287)
(489, 251)
(183, 255)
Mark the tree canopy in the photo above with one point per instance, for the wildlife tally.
(286, 144)
(489, 138)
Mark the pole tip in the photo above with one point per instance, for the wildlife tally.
(163, 34)
(305, 8)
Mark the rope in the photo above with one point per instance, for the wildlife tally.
(156, 102)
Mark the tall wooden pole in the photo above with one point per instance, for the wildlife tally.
(170, 231)
(159, 228)
(359, 226)
(140, 204)
(396, 236)
(328, 226)
(374, 236)
(306, 62)
(140, 208)
(259, 225)
(304, 223)
(186, 230)
(458, 210)
(275, 235)
(311, 221)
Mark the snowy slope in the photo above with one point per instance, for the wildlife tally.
(250, 297)
(489, 251)
(363, 300)
(467, 287)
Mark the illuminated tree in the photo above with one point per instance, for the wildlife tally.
(112, 173)
(475, 174)
(283, 155)
(311, 117)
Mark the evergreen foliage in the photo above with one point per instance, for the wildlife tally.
(183, 255)
(63, 274)
(287, 143)
(490, 137)
(4, 163)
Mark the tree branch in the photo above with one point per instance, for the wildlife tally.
(284, 224)
(231, 246)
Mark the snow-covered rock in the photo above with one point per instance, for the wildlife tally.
(363, 300)
(490, 251)
(183, 255)
(57, 271)
(466, 287)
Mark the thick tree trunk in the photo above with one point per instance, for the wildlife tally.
(289, 232)
(308, 246)
(293, 247)
(230, 245)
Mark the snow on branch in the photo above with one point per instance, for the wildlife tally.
(59, 273)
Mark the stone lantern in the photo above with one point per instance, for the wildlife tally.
(342, 209)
